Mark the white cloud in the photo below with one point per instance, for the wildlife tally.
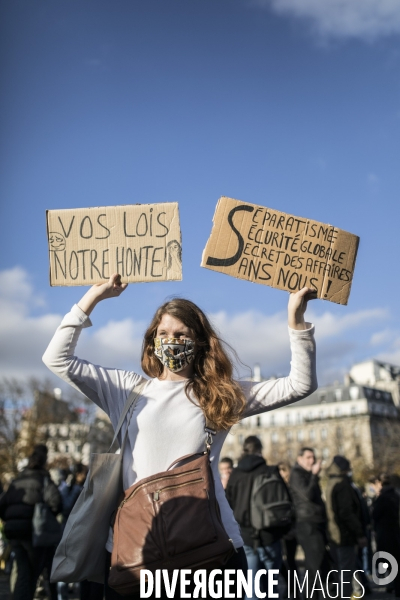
(382, 337)
(330, 325)
(17, 289)
(250, 334)
(392, 355)
(364, 19)
(257, 337)
(116, 344)
(263, 339)
(24, 337)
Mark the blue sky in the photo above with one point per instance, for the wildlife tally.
(288, 104)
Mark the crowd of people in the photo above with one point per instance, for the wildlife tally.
(27, 562)
(338, 528)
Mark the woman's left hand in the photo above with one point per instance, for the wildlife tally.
(297, 307)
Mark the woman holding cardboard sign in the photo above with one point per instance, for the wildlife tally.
(185, 409)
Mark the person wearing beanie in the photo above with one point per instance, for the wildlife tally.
(342, 463)
(345, 528)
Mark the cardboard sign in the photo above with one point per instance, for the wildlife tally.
(141, 242)
(273, 248)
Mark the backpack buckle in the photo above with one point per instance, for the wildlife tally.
(209, 437)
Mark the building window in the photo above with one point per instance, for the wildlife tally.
(322, 397)
(358, 451)
(300, 435)
(354, 392)
(288, 419)
(299, 418)
(258, 422)
(272, 420)
(311, 435)
(324, 434)
(338, 412)
(339, 432)
(290, 454)
(66, 448)
(289, 436)
(338, 394)
(325, 453)
(354, 410)
(274, 437)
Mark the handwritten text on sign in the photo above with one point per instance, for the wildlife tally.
(141, 242)
(273, 248)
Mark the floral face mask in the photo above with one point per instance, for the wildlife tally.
(174, 353)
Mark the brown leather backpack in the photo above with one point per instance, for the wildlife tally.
(170, 520)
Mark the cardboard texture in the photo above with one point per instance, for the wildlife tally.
(141, 242)
(273, 248)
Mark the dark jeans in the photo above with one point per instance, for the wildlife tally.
(29, 564)
(89, 590)
(263, 557)
(237, 562)
(346, 557)
(289, 547)
(312, 538)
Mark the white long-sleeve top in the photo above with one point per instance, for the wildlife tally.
(165, 424)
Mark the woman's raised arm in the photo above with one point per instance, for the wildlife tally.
(297, 307)
(302, 379)
(107, 387)
(101, 291)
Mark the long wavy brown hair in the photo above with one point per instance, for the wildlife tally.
(220, 397)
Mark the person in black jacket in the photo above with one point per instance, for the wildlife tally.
(289, 540)
(263, 548)
(385, 516)
(345, 526)
(16, 510)
(310, 513)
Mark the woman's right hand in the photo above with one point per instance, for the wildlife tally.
(101, 291)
